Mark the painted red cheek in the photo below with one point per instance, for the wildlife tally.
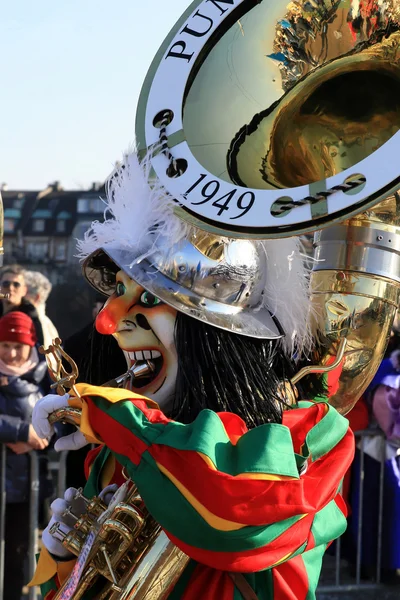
(105, 324)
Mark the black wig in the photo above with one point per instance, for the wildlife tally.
(223, 371)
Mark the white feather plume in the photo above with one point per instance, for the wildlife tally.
(287, 294)
(133, 209)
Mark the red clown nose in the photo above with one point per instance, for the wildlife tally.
(105, 323)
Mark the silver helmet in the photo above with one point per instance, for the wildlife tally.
(217, 280)
(249, 287)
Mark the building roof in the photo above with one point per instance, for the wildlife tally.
(23, 208)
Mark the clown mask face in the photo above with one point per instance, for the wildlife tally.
(144, 329)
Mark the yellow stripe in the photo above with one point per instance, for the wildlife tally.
(85, 426)
(47, 568)
(259, 476)
(108, 472)
(112, 395)
(209, 517)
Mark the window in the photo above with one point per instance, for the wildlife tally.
(38, 225)
(9, 225)
(61, 226)
(96, 205)
(90, 205)
(83, 205)
(61, 251)
(37, 250)
(18, 203)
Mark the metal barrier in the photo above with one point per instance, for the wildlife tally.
(2, 516)
(33, 519)
(33, 522)
(62, 474)
(357, 585)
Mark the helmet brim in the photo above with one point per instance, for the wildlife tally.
(256, 323)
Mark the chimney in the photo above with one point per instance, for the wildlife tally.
(56, 186)
(4, 187)
(96, 186)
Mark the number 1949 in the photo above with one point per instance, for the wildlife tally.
(243, 201)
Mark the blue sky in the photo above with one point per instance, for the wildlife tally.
(71, 72)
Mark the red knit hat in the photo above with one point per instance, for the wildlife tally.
(17, 327)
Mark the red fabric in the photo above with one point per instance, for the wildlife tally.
(17, 327)
(311, 542)
(235, 427)
(291, 580)
(250, 561)
(217, 583)
(119, 438)
(90, 458)
(300, 421)
(227, 496)
(341, 504)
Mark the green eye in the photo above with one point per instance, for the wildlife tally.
(120, 289)
(147, 299)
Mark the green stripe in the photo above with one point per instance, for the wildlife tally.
(328, 524)
(312, 560)
(185, 523)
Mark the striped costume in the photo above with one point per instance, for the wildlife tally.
(263, 502)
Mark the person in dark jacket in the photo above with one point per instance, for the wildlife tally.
(21, 375)
(12, 283)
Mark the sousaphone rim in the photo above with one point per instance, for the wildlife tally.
(280, 228)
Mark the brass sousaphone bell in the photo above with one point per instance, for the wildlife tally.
(281, 118)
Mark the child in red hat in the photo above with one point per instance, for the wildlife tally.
(21, 375)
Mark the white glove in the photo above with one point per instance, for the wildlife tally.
(43, 408)
(108, 493)
(73, 441)
(58, 508)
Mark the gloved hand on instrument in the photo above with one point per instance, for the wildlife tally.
(60, 507)
(40, 421)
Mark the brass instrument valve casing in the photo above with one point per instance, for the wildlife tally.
(356, 292)
(73, 542)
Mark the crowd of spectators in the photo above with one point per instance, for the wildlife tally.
(24, 327)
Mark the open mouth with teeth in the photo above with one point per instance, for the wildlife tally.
(154, 359)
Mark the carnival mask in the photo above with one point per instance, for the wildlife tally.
(144, 329)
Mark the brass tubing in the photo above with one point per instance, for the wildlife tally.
(355, 294)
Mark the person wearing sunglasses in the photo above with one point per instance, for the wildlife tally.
(12, 283)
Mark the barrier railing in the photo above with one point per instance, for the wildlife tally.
(33, 520)
(357, 584)
(2, 516)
